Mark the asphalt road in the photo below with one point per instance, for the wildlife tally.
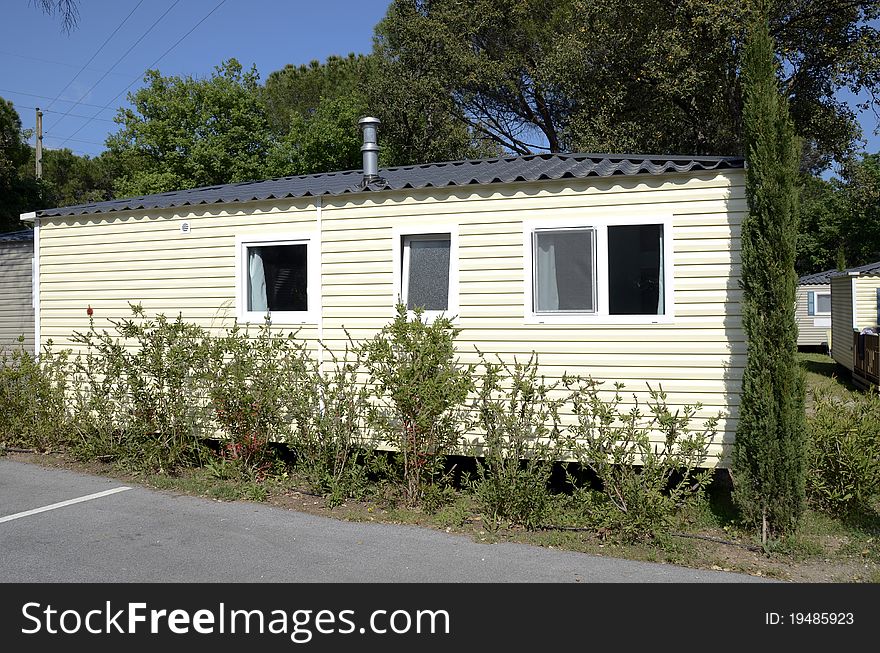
(140, 535)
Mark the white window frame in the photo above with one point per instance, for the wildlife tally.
(401, 264)
(816, 295)
(313, 284)
(600, 224)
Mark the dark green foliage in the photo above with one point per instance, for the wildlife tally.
(768, 455)
(840, 218)
(326, 140)
(843, 457)
(620, 76)
(296, 92)
(314, 110)
(420, 391)
(19, 193)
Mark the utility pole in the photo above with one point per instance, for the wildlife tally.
(39, 150)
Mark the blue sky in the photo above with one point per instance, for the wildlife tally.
(42, 66)
(38, 59)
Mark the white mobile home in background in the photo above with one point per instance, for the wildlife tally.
(813, 312)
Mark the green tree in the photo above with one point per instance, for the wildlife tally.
(840, 217)
(70, 179)
(184, 132)
(769, 451)
(326, 140)
(822, 238)
(311, 106)
(296, 92)
(18, 193)
(861, 193)
(649, 76)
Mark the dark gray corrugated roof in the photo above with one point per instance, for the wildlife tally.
(868, 268)
(537, 167)
(817, 278)
(17, 236)
(825, 277)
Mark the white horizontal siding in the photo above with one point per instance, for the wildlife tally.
(808, 333)
(142, 257)
(842, 320)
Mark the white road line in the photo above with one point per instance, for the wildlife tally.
(62, 504)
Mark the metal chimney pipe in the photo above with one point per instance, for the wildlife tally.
(370, 149)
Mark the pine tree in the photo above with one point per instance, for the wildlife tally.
(768, 456)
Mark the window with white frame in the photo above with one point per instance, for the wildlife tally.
(425, 273)
(564, 270)
(635, 270)
(426, 263)
(277, 276)
(606, 269)
(818, 303)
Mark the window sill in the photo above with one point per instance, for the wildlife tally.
(279, 318)
(599, 320)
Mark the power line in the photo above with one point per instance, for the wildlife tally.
(97, 52)
(55, 63)
(77, 140)
(162, 56)
(46, 97)
(119, 60)
(70, 115)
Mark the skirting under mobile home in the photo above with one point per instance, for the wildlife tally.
(16, 289)
(623, 268)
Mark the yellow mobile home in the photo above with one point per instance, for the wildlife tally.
(855, 307)
(625, 268)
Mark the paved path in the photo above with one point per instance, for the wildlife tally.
(140, 535)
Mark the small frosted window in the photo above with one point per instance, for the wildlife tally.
(823, 303)
(564, 271)
(426, 272)
(277, 278)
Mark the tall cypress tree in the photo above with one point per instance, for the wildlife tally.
(768, 456)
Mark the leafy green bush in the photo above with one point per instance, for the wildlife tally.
(843, 452)
(32, 403)
(138, 394)
(419, 390)
(328, 411)
(644, 483)
(248, 381)
(522, 439)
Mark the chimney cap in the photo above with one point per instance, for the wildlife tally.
(368, 120)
